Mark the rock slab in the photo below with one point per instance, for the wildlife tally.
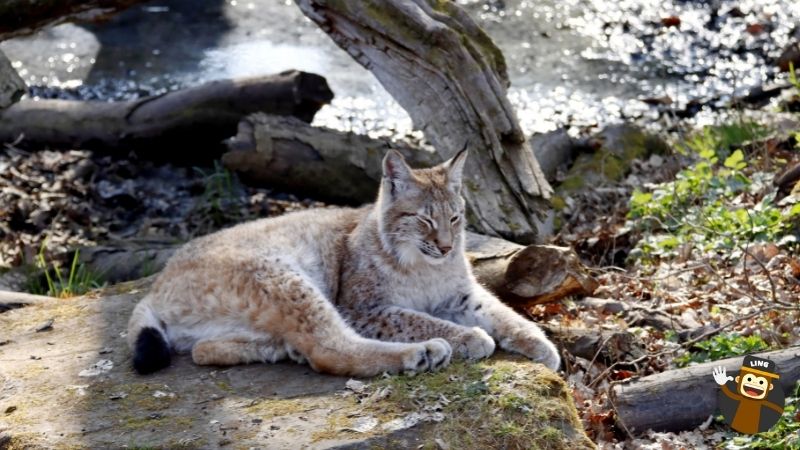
(71, 386)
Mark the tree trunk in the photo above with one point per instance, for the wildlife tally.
(451, 79)
(11, 85)
(21, 17)
(681, 399)
(176, 125)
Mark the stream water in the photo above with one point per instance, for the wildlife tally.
(577, 63)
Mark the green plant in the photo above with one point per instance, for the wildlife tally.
(722, 139)
(793, 77)
(722, 346)
(50, 280)
(700, 207)
(221, 200)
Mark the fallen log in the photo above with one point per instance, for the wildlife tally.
(21, 17)
(330, 165)
(182, 124)
(681, 399)
(526, 276)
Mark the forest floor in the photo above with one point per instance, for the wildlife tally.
(698, 249)
(696, 246)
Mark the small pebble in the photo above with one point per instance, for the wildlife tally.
(46, 326)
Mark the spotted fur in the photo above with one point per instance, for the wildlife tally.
(382, 288)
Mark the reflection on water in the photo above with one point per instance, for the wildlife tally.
(573, 62)
(260, 57)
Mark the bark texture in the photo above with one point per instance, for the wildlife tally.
(21, 17)
(11, 85)
(326, 164)
(451, 79)
(186, 123)
(683, 398)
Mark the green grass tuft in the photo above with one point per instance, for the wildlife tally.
(49, 278)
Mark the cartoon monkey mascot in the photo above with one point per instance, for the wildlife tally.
(755, 382)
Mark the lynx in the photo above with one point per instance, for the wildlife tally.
(382, 288)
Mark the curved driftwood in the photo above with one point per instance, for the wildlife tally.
(185, 123)
(681, 399)
(451, 78)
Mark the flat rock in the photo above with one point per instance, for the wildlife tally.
(73, 387)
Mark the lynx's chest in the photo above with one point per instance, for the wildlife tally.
(425, 290)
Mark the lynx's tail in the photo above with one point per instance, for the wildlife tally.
(147, 339)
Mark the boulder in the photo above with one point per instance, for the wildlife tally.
(552, 150)
(614, 149)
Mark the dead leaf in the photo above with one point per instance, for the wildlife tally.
(671, 21)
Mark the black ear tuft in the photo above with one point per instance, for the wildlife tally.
(397, 172)
(151, 352)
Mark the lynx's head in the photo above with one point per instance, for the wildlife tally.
(421, 212)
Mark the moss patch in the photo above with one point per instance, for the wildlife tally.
(268, 408)
(620, 145)
(506, 402)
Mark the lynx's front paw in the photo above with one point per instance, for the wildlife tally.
(535, 347)
(473, 344)
(429, 355)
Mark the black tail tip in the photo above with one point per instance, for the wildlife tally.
(151, 353)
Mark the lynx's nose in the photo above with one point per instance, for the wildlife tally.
(445, 249)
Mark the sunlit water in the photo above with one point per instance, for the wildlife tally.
(578, 63)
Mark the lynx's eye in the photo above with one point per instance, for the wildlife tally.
(428, 222)
(455, 219)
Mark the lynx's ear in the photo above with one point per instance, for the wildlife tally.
(396, 173)
(455, 169)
